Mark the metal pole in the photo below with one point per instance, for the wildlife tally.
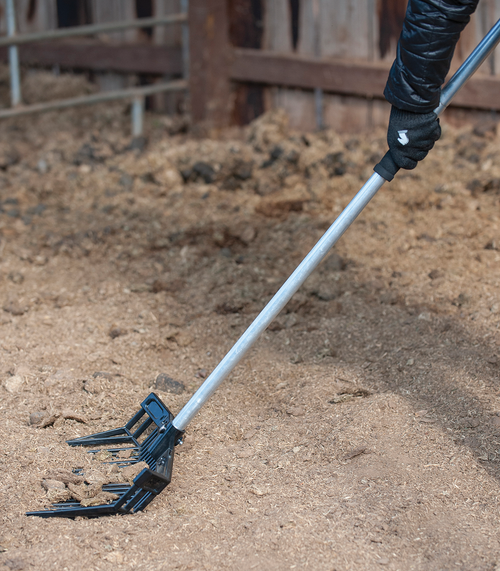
(15, 76)
(311, 261)
(318, 92)
(93, 29)
(130, 93)
(318, 103)
(185, 40)
(137, 117)
(470, 65)
(279, 301)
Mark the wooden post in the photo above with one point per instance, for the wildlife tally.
(210, 87)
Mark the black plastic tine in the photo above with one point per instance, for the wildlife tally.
(115, 436)
(144, 426)
(135, 419)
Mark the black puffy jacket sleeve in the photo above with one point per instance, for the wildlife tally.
(430, 32)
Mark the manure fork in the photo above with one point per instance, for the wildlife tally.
(152, 433)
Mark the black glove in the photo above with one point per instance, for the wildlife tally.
(410, 137)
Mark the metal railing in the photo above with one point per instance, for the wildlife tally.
(136, 94)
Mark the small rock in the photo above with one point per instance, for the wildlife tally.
(37, 417)
(204, 171)
(410, 362)
(326, 292)
(15, 308)
(165, 383)
(168, 177)
(115, 332)
(247, 234)
(243, 170)
(461, 299)
(435, 274)
(258, 492)
(13, 384)
(383, 561)
(40, 260)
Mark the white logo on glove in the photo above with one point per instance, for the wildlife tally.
(403, 139)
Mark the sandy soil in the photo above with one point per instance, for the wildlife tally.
(361, 432)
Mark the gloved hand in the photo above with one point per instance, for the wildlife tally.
(410, 137)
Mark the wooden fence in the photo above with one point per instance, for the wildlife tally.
(344, 47)
(248, 56)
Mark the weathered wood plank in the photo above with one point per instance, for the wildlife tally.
(387, 23)
(113, 11)
(245, 31)
(277, 26)
(345, 29)
(345, 77)
(167, 35)
(31, 17)
(210, 89)
(129, 58)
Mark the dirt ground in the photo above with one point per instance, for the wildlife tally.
(362, 431)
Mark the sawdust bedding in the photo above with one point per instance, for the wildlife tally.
(362, 431)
